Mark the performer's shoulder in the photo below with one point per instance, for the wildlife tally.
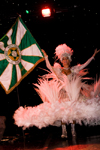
(75, 68)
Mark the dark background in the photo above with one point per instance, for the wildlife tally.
(76, 23)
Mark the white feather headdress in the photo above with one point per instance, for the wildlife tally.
(63, 51)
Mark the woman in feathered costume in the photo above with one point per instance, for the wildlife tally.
(66, 99)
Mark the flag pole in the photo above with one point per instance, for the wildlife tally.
(19, 106)
(18, 96)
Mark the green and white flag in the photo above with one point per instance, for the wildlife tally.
(19, 54)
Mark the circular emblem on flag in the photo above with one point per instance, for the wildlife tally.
(13, 54)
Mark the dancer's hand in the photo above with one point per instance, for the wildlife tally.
(95, 52)
(44, 52)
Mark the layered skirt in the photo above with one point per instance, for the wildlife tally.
(63, 100)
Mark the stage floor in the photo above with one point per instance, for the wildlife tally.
(49, 138)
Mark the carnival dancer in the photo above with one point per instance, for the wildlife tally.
(66, 99)
(64, 53)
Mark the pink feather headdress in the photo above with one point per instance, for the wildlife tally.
(63, 51)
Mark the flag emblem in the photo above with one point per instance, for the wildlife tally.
(13, 54)
(19, 55)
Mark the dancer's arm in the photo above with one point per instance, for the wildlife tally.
(89, 60)
(48, 63)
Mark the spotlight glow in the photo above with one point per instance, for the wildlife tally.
(46, 12)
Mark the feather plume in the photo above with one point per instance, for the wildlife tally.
(63, 49)
(97, 88)
(73, 87)
(48, 90)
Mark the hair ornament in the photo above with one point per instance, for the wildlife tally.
(63, 51)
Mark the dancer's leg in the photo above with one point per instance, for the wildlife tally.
(64, 131)
(73, 129)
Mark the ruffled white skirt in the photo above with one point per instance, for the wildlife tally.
(62, 101)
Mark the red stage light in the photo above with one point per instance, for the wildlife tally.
(46, 12)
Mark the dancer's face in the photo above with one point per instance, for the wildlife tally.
(65, 62)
